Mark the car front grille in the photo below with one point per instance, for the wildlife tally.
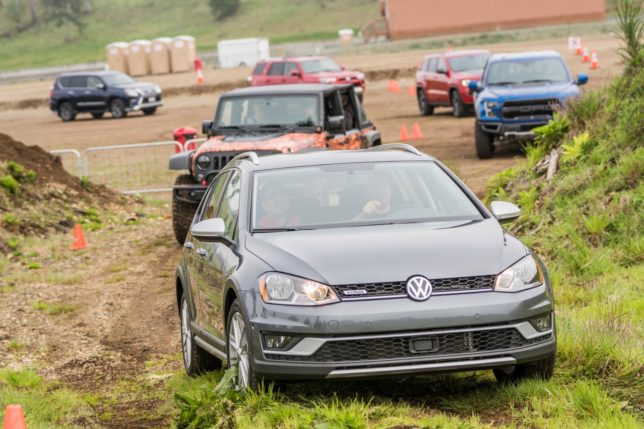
(529, 108)
(218, 160)
(440, 344)
(398, 289)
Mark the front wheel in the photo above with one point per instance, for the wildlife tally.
(484, 143)
(457, 105)
(195, 359)
(541, 369)
(238, 349)
(149, 111)
(117, 109)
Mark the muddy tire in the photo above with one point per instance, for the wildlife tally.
(149, 111)
(195, 359)
(423, 106)
(117, 109)
(458, 107)
(541, 369)
(238, 350)
(98, 115)
(182, 212)
(66, 111)
(484, 143)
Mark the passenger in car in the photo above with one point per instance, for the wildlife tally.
(276, 206)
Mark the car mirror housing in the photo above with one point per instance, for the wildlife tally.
(337, 124)
(209, 229)
(582, 79)
(101, 86)
(504, 211)
(295, 73)
(206, 126)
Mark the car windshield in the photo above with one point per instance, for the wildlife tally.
(468, 62)
(527, 71)
(357, 194)
(269, 111)
(320, 65)
(117, 79)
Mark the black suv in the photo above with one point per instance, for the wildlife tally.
(101, 92)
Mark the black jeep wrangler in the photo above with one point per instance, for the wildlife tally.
(267, 120)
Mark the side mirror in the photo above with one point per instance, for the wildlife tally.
(337, 124)
(582, 79)
(206, 126)
(209, 229)
(441, 71)
(295, 73)
(504, 211)
(101, 86)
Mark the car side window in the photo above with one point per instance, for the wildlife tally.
(229, 207)
(289, 67)
(259, 68)
(78, 82)
(93, 82)
(210, 209)
(276, 69)
(425, 66)
(441, 67)
(432, 65)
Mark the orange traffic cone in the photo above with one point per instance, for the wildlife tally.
(411, 90)
(199, 77)
(79, 238)
(586, 57)
(404, 134)
(390, 85)
(14, 418)
(594, 63)
(416, 132)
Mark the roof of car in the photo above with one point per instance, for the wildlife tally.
(525, 55)
(296, 59)
(313, 88)
(457, 53)
(322, 157)
(89, 73)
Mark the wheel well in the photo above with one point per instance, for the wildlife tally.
(179, 292)
(231, 296)
(377, 142)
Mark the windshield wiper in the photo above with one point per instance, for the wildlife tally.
(504, 83)
(286, 229)
(537, 81)
(307, 123)
(271, 126)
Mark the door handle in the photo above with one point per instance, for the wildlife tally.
(188, 245)
(202, 252)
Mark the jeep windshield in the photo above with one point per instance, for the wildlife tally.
(548, 70)
(468, 62)
(357, 194)
(117, 79)
(268, 112)
(320, 65)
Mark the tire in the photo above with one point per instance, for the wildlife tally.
(195, 359)
(541, 369)
(117, 109)
(182, 212)
(66, 111)
(98, 115)
(457, 105)
(149, 111)
(484, 143)
(237, 344)
(423, 106)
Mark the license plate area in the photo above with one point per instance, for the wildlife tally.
(150, 99)
(423, 345)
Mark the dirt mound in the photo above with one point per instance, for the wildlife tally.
(385, 74)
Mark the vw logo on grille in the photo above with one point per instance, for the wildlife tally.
(419, 288)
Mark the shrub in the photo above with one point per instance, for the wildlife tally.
(9, 184)
(222, 9)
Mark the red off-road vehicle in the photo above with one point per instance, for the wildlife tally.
(267, 120)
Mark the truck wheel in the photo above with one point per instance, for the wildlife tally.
(66, 111)
(457, 105)
(541, 369)
(423, 106)
(98, 115)
(149, 111)
(484, 143)
(182, 212)
(117, 108)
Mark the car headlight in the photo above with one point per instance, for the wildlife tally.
(157, 89)
(277, 288)
(360, 76)
(523, 275)
(132, 92)
(465, 82)
(203, 162)
(489, 107)
(328, 80)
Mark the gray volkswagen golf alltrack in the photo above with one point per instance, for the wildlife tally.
(350, 264)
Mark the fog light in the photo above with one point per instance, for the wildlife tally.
(276, 342)
(542, 323)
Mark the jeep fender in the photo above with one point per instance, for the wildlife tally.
(373, 138)
(181, 161)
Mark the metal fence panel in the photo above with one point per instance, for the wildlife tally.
(71, 160)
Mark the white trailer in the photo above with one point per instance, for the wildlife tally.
(242, 52)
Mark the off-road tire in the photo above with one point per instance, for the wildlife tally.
(66, 111)
(182, 212)
(252, 378)
(117, 108)
(423, 106)
(541, 369)
(458, 106)
(149, 111)
(199, 360)
(98, 115)
(484, 143)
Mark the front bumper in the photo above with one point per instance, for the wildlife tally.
(515, 130)
(191, 194)
(140, 103)
(399, 336)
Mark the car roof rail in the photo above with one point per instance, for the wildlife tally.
(247, 155)
(397, 146)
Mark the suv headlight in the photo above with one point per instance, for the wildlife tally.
(465, 82)
(278, 288)
(489, 107)
(203, 162)
(523, 275)
(360, 76)
(132, 92)
(157, 89)
(328, 80)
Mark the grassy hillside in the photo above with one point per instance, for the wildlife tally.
(126, 20)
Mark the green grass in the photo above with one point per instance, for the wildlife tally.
(54, 309)
(127, 20)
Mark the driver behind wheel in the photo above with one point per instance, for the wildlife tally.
(379, 203)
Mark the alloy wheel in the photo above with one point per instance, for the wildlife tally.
(238, 350)
(186, 335)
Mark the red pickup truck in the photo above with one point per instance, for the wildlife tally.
(442, 79)
(280, 71)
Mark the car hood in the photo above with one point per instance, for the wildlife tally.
(470, 75)
(536, 90)
(382, 253)
(340, 75)
(280, 141)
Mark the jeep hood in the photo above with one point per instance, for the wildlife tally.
(381, 253)
(279, 141)
(528, 91)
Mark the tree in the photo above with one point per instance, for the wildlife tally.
(222, 9)
(62, 12)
